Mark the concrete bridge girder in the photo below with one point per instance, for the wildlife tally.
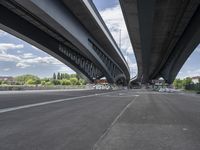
(70, 41)
(163, 35)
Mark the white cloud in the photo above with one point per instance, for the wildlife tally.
(192, 73)
(19, 52)
(2, 33)
(188, 73)
(42, 60)
(22, 65)
(27, 55)
(4, 56)
(24, 60)
(6, 69)
(6, 46)
(132, 65)
(114, 20)
(65, 69)
(9, 58)
(129, 50)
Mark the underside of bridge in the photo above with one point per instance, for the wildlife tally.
(73, 33)
(163, 33)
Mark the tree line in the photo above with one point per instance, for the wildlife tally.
(57, 79)
(182, 83)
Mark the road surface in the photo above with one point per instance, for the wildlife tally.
(100, 120)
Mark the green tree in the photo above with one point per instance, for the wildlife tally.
(56, 82)
(24, 78)
(45, 79)
(61, 76)
(54, 76)
(66, 82)
(186, 81)
(73, 81)
(58, 76)
(33, 81)
(43, 82)
(78, 82)
(82, 82)
(78, 76)
(66, 76)
(37, 81)
(30, 82)
(73, 76)
(5, 82)
(49, 83)
(178, 83)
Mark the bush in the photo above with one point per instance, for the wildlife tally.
(78, 83)
(82, 82)
(4, 82)
(66, 82)
(56, 82)
(30, 82)
(43, 82)
(25, 78)
(48, 83)
(73, 81)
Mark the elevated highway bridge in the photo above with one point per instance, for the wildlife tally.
(163, 34)
(71, 31)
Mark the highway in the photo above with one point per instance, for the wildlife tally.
(99, 120)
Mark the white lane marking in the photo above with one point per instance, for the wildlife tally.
(121, 95)
(113, 123)
(41, 91)
(49, 102)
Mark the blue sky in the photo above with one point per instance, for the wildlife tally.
(103, 4)
(18, 57)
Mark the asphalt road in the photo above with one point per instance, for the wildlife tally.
(156, 121)
(84, 120)
(17, 98)
(68, 125)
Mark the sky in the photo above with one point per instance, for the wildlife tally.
(18, 57)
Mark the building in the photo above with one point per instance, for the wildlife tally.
(6, 78)
(101, 81)
(196, 79)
